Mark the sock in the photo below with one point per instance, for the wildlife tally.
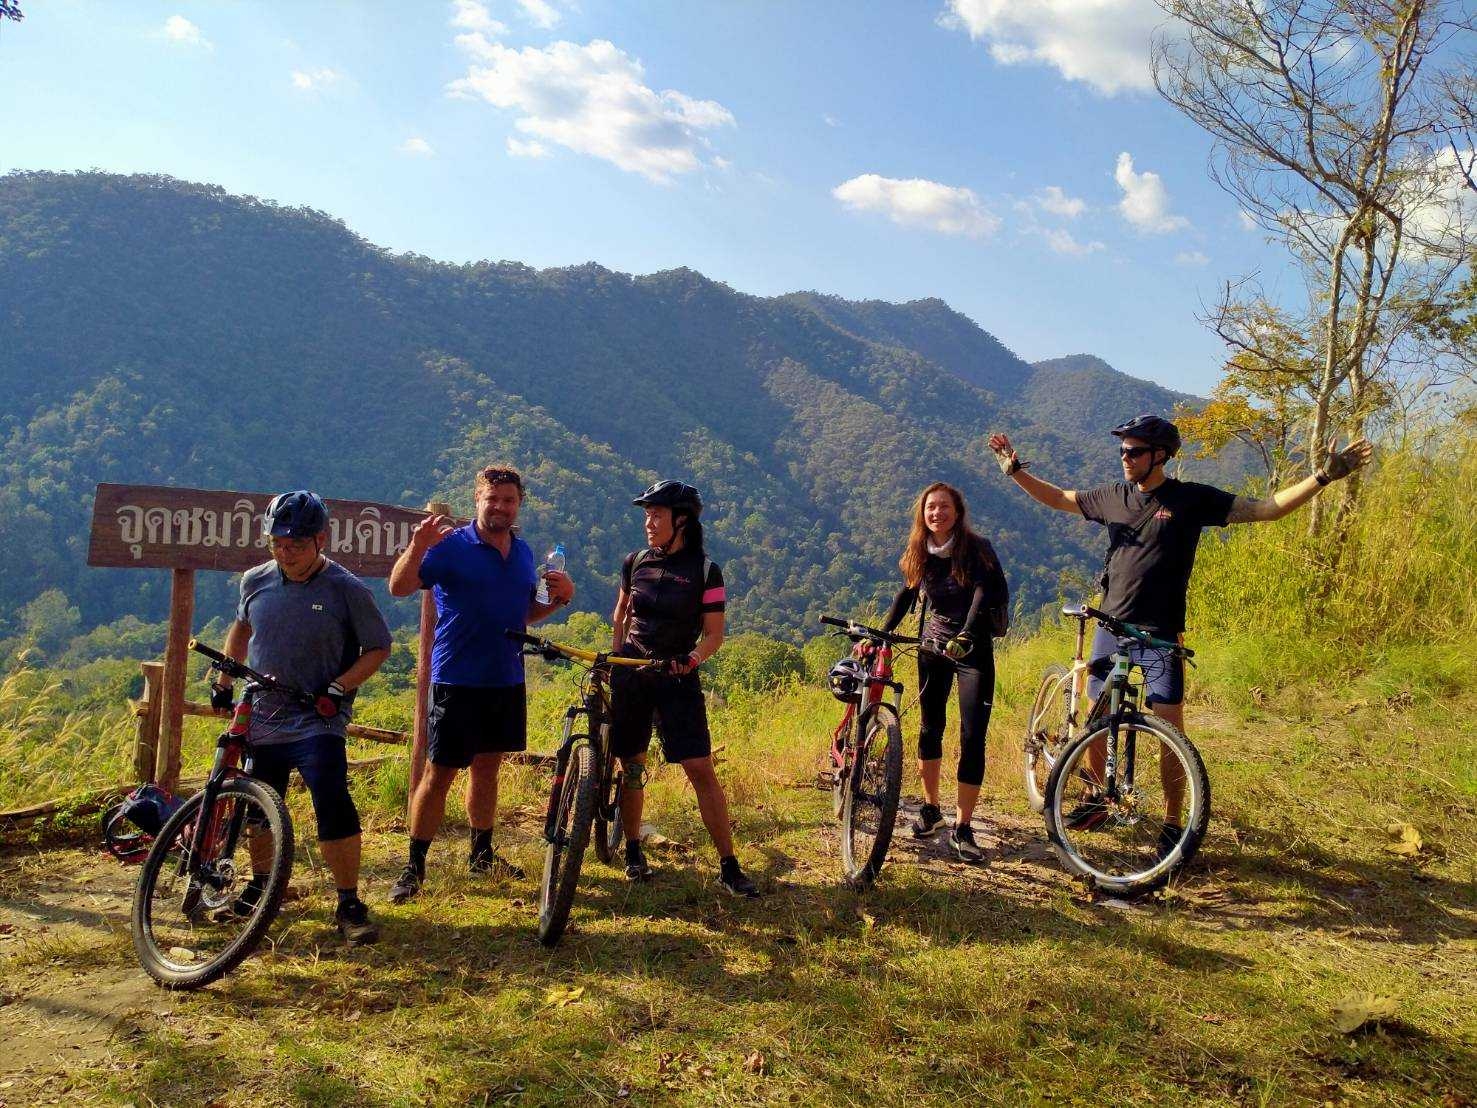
(633, 850)
(348, 896)
(418, 849)
(729, 864)
(481, 843)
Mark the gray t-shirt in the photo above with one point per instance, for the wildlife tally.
(305, 633)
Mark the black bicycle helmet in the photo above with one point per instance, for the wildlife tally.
(1152, 430)
(298, 515)
(671, 494)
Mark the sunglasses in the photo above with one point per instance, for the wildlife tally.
(292, 546)
(1134, 451)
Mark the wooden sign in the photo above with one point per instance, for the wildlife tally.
(157, 526)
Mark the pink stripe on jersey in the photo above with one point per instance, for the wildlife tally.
(714, 596)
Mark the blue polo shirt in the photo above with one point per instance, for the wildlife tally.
(479, 595)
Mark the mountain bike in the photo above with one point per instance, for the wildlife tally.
(1053, 721)
(187, 923)
(867, 751)
(586, 790)
(1108, 796)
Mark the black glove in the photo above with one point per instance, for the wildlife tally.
(221, 697)
(330, 702)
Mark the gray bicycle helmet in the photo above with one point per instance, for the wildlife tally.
(846, 680)
(676, 495)
(1153, 430)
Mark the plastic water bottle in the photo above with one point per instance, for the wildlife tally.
(553, 563)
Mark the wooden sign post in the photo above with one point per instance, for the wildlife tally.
(420, 737)
(184, 530)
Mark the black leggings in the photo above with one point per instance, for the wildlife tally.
(976, 675)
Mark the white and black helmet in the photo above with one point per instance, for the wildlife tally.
(847, 677)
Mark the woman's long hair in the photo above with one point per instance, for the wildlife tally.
(691, 529)
(969, 549)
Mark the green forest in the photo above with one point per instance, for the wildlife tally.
(158, 331)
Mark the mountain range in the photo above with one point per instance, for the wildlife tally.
(158, 331)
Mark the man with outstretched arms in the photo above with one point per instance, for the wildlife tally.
(311, 623)
(484, 580)
(1154, 524)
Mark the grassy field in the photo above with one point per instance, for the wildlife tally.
(1004, 983)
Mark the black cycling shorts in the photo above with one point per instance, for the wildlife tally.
(674, 703)
(467, 720)
(324, 766)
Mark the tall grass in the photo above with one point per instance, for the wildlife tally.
(49, 749)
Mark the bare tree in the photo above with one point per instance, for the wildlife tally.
(1334, 133)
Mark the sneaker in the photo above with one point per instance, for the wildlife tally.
(637, 867)
(354, 923)
(1169, 838)
(963, 844)
(239, 909)
(930, 819)
(1089, 815)
(737, 883)
(407, 885)
(496, 865)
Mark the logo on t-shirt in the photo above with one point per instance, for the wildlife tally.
(1163, 514)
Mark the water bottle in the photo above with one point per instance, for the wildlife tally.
(553, 562)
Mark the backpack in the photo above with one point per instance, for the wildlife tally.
(651, 552)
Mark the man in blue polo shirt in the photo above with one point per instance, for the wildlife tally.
(483, 579)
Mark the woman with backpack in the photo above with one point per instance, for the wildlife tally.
(967, 603)
(670, 607)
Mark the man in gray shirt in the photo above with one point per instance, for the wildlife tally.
(312, 624)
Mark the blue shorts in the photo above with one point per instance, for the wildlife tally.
(1164, 671)
(324, 766)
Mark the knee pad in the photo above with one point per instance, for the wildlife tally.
(634, 774)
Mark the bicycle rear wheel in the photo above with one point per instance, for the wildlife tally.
(1046, 730)
(1116, 834)
(566, 851)
(869, 807)
(186, 927)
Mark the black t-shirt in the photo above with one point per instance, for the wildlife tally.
(669, 598)
(953, 607)
(1151, 551)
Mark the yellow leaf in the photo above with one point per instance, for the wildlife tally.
(1355, 1011)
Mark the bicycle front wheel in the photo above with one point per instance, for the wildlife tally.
(190, 922)
(1131, 834)
(575, 809)
(1046, 731)
(869, 806)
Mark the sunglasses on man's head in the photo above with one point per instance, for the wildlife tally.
(1134, 451)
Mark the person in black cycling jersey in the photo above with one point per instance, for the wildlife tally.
(967, 597)
(1154, 524)
(670, 606)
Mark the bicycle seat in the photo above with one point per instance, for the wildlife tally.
(1076, 611)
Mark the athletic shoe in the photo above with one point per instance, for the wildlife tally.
(736, 882)
(407, 885)
(240, 908)
(1169, 837)
(1089, 815)
(929, 820)
(962, 841)
(637, 867)
(495, 864)
(354, 923)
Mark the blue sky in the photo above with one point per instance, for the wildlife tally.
(1005, 155)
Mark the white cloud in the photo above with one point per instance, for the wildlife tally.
(417, 147)
(473, 16)
(919, 203)
(1191, 257)
(531, 149)
(1145, 202)
(1102, 42)
(313, 80)
(1440, 209)
(1052, 199)
(722, 163)
(1062, 242)
(179, 29)
(592, 99)
(540, 13)
(1247, 220)
(831, 120)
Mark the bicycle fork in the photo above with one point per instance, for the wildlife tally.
(561, 770)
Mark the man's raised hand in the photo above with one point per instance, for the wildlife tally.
(429, 531)
(1338, 464)
(1004, 453)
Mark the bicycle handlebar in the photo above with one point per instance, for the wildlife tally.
(547, 648)
(243, 672)
(1129, 631)
(858, 631)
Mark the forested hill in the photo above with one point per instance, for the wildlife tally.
(156, 331)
